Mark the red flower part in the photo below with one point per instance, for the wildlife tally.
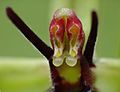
(57, 30)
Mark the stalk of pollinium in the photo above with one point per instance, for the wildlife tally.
(69, 65)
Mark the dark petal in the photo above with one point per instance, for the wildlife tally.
(29, 34)
(89, 50)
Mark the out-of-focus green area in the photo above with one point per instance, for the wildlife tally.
(26, 75)
(107, 75)
(35, 15)
(109, 30)
(31, 74)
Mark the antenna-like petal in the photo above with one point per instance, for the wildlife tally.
(29, 34)
(89, 50)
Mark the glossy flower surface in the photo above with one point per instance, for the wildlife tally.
(67, 37)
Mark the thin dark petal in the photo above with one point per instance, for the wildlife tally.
(28, 33)
(89, 50)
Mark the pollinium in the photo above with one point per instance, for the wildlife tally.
(70, 66)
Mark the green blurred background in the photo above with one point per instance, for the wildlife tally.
(21, 64)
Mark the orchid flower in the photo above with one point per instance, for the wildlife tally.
(70, 66)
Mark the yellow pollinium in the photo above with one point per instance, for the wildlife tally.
(72, 52)
(68, 49)
(71, 61)
(57, 61)
(58, 56)
(57, 52)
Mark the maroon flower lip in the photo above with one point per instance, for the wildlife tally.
(65, 20)
(67, 36)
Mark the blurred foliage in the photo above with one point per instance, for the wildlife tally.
(30, 76)
(26, 75)
(35, 15)
(109, 30)
(107, 75)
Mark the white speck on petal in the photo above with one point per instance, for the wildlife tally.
(63, 12)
